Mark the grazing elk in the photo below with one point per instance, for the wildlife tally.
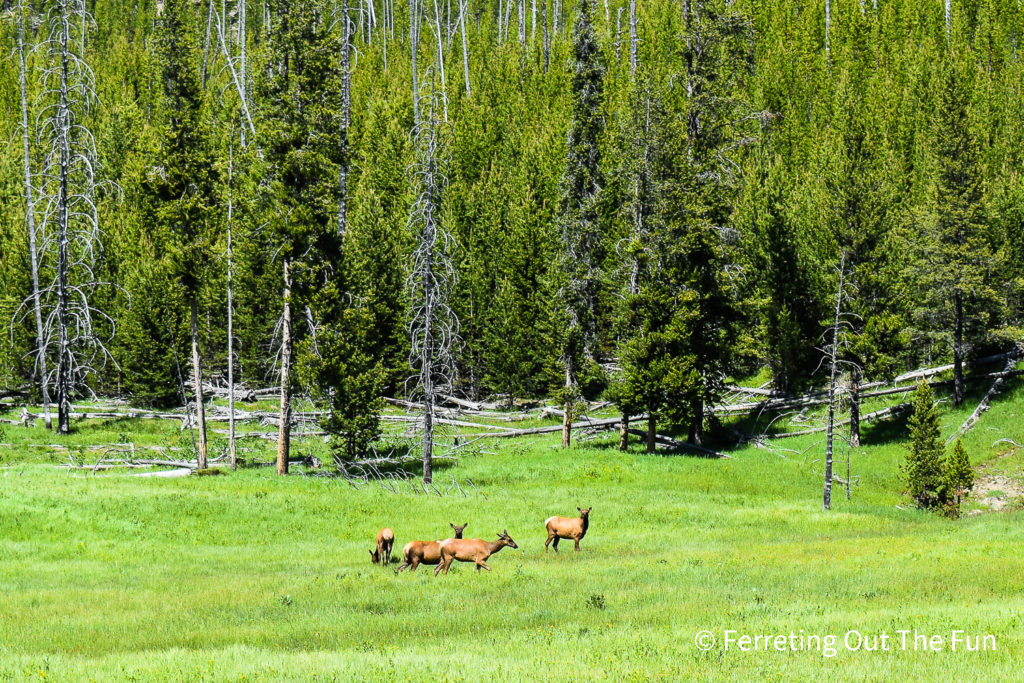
(416, 553)
(568, 527)
(385, 541)
(471, 550)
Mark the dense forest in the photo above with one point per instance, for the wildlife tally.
(351, 199)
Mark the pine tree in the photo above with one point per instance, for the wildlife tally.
(959, 475)
(579, 216)
(923, 468)
(957, 263)
(184, 185)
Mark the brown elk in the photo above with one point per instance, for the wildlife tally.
(385, 541)
(416, 553)
(568, 527)
(471, 550)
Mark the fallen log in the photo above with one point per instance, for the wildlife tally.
(606, 423)
(681, 445)
(877, 415)
(983, 405)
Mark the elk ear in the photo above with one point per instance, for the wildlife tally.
(579, 508)
(506, 533)
(451, 525)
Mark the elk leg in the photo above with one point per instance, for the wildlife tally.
(555, 544)
(577, 545)
(481, 563)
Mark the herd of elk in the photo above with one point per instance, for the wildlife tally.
(416, 553)
(476, 550)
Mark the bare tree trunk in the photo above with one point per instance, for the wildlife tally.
(242, 86)
(827, 499)
(285, 428)
(567, 415)
(522, 22)
(30, 221)
(231, 316)
(63, 130)
(624, 431)
(652, 433)
(197, 377)
(855, 407)
(828, 27)
(346, 118)
(533, 21)
(508, 16)
(464, 10)
(949, 15)
(440, 57)
(958, 349)
(206, 44)
(632, 36)
(414, 39)
(618, 36)
(547, 37)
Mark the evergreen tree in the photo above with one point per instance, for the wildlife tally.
(954, 272)
(923, 468)
(959, 475)
(579, 218)
(183, 186)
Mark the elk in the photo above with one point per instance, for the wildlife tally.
(385, 541)
(471, 550)
(568, 527)
(416, 553)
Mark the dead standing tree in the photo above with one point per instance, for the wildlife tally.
(833, 351)
(69, 225)
(433, 325)
(30, 219)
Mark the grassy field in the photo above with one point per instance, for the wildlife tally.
(253, 577)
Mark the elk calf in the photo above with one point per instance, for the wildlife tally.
(568, 527)
(385, 541)
(471, 550)
(416, 553)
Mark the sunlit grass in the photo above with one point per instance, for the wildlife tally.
(109, 576)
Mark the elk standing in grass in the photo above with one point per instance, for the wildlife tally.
(385, 541)
(471, 550)
(574, 528)
(416, 553)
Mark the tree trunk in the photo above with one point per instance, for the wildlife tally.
(197, 377)
(855, 407)
(465, 44)
(63, 126)
(547, 37)
(652, 433)
(414, 36)
(958, 349)
(567, 415)
(285, 427)
(231, 310)
(632, 37)
(624, 432)
(346, 118)
(696, 435)
(30, 221)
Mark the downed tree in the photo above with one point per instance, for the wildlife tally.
(984, 404)
(681, 445)
(891, 411)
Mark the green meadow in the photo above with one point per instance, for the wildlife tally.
(249, 576)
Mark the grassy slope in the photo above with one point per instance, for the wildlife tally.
(250, 576)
